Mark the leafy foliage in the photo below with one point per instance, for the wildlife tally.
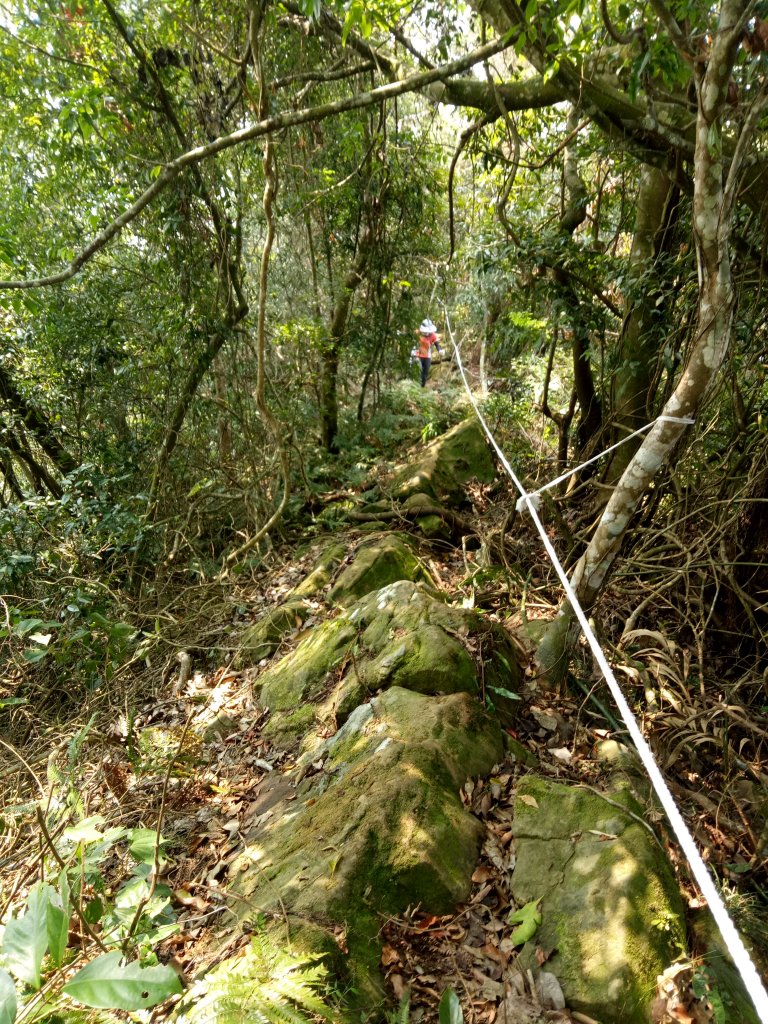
(269, 984)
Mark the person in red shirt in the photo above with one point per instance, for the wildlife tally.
(428, 339)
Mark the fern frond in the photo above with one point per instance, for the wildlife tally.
(268, 985)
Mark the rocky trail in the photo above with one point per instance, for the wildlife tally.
(374, 774)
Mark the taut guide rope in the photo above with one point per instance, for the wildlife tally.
(733, 941)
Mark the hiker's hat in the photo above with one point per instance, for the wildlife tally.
(427, 327)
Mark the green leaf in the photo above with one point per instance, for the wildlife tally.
(142, 845)
(25, 626)
(7, 998)
(107, 984)
(713, 141)
(26, 938)
(86, 831)
(449, 1011)
(93, 911)
(505, 693)
(529, 920)
(34, 654)
(57, 920)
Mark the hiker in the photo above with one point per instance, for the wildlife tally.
(428, 339)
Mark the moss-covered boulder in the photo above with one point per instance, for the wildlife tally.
(263, 638)
(446, 466)
(377, 563)
(380, 827)
(302, 674)
(611, 908)
(320, 576)
(401, 635)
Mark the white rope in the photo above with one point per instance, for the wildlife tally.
(732, 939)
(534, 495)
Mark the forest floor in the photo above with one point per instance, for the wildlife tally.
(147, 754)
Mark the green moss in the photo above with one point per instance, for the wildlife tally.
(301, 675)
(287, 726)
(342, 701)
(610, 905)
(446, 466)
(321, 574)
(432, 661)
(377, 564)
(381, 827)
(262, 639)
(433, 526)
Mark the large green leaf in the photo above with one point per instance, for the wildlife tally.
(107, 984)
(7, 998)
(142, 844)
(57, 920)
(86, 831)
(449, 1011)
(26, 937)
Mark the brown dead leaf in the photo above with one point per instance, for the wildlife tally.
(481, 874)
(389, 955)
(529, 801)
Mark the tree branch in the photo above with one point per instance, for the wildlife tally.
(267, 126)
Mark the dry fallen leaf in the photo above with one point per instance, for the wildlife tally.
(389, 955)
(530, 801)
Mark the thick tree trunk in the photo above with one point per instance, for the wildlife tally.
(574, 215)
(713, 201)
(37, 424)
(639, 337)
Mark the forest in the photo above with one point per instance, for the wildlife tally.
(223, 226)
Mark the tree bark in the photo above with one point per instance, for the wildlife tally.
(639, 338)
(713, 207)
(37, 423)
(329, 399)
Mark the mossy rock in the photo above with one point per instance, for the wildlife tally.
(433, 526)
(446, 466)
(321, 574)
(348, 694)
(262, 639)
(611, 908)
(727, 986)
(285, 727)
(382, 827)
(401, 635)
(414, 639)
(376, 564)
(301, 675)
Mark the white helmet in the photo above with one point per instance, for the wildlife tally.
(427, 327)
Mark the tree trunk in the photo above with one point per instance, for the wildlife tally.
(639, 338)
(329, 399)
(574, 214)
(37, 424)
(713, 201)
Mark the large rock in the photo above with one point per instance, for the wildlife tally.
(446, 466)
(401, 635)
(611, 908)
(377, 563)
(263, 638)
(381, 826)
